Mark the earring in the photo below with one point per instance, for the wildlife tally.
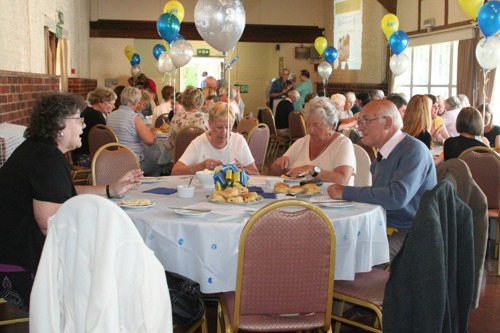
(60, 134)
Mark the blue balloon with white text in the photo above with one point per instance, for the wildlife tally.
(398, 41)
(168, 26)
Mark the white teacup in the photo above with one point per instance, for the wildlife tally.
(271, 181)
(183, 191)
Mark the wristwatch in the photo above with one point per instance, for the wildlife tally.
(316, 170)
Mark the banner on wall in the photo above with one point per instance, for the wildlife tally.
(348, 33)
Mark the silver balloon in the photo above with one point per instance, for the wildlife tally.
(220, 23)
(488, 52)
(181, 53)
(324, 70)
(399, 63)
(135, 71)
(164, 64)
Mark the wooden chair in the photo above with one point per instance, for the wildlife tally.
(99, 135)
(363, 176)
(183, 139)
(79, 175)
(246, 125)
(258, 140)
(296, 125)
(111, 162)
(275, 141)
(484, 165)
(286, 265)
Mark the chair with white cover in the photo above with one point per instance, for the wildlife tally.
(286, 265)
(258, 140)
(99, 135)
(111, 162)
(363, 175)
(183, 139)
(246, 125)
(484, 165)
(96, 274)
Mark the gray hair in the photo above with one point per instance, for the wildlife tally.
(338, 99)
(453, 103)
(350, 96)
(325, 108)
(392, 112)
(130, 96)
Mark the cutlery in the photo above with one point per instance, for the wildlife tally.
(192, 209)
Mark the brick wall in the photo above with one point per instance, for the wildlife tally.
(333, 88)
(20, 91)
(81, 87)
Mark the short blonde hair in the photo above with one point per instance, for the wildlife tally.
(192, 98)
(220, 110)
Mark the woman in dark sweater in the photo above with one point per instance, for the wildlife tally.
(417, 119)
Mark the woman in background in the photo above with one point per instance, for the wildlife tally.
(417, 119)
(491, 131)
(438, 129)
(167, 93)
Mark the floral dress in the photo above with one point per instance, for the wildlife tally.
(185, 119)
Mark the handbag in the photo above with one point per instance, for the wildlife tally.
(187, 303)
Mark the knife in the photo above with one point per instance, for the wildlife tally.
(192, 209)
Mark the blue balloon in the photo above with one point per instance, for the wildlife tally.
(488, 18)
(158, 49)
(330, 54)
(398, 41)
(136, 59)
(168, 26)
(178, 37)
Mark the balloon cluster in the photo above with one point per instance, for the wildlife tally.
(135, 60)
(330, 54)
(488, 48)
(398, 42)
(168, 26)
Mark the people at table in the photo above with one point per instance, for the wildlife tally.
(417, 119)
(34, 182)
(304, 88)
(212, 149)
(491, 131)
(452, 109)
(283, 110)
(438, 130)
(227, 95)
(101, 101)
(324, 153)
(167, 93)
(280, 87)
(132, 131)
(470, 127)
(400, 102)
(403, 171)
(190, 114)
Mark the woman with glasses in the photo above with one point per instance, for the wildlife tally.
(101, 101)
(491, 131)
(35, 181)
(324, 153)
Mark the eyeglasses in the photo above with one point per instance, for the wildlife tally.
(367, 121)
(82, 119)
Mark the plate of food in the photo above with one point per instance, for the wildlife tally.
(235, 196)
(337, 204)
(289, 180)
(136, 204)
(297, 190)
(191, 212)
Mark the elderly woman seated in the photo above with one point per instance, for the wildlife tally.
(324, 153)
(212, 148)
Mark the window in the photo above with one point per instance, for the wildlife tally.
(190, 75)
(433, 69)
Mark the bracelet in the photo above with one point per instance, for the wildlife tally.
(107, 192)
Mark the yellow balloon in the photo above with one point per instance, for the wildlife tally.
(320, 45)
(176, 8)
(165, 43)
(389, 24)
(471, 7)
(129, 52)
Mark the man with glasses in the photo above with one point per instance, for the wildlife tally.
(280, 88)
(403, 171)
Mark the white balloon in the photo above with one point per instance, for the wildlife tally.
(399, 63)
(181, 53)
(220, 23)
(135, 71)
(325, 70)
(164, 64)
(488, 52)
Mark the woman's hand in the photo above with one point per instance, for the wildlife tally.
(211, 164)
(238, 164)
(126, 182)
(283, 162)
(300, 171)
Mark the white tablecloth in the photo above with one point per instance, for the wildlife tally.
(205, 248)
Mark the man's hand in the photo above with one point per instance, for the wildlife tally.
(335, 191)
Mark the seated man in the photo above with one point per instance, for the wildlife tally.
(403, 171)
(283, 110)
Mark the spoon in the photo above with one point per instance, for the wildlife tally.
(190, 180)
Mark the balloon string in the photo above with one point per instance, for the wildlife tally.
(229, 125)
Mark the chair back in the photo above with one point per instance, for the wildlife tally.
(286, 264)
(371, 151)
(458, 174)
(183, 139)
(96, 272)
(268, 119)
(484, 165)
(258, 140)
(111, 162)
(99, 135)
(161, 120)
(297, 125)
(363, 176)
(246, 125)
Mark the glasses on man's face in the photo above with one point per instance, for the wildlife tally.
(366, 121)
(82, 119)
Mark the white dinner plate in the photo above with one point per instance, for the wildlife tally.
(187, 212)
(258, 200)
(294, 180)
(136, 207)
(150, 180)
(337, 204)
